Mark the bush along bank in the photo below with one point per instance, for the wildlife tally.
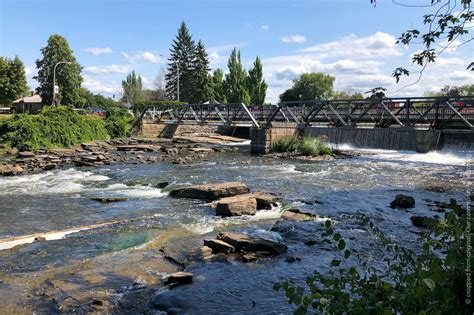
(306, 146)
(62, 127)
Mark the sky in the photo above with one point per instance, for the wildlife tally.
(349, 39)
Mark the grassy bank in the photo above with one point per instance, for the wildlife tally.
(54, 127)
(304, 146)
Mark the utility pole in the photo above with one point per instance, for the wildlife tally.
(55, 87)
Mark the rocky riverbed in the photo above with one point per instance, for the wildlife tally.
(209, 236)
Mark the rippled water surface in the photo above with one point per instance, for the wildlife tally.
(61, 200)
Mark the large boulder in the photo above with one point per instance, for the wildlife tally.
(266, 200)
(245, 243)
(424, 222)
(211, 191)
(245, 204)
(10, 170)
(403, 201)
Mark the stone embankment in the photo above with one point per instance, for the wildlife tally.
(182, 150)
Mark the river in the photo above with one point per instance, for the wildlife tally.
(113, 246)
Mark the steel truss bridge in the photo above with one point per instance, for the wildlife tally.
(414, 112)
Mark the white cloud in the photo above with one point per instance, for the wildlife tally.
(377, 45)
(265, 27)
(293, 39)
(461, 75)
(27, 71)
(106, 69)
(97, 86)
(97, 51)
(142, 56)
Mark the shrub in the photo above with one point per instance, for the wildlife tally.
(306, 146)
(431, 282)
(58, 126)
(117, 122)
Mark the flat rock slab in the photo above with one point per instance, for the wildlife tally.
(109, 199)
(245, 243)
(245, 204)
(211, 191)
(295, 214)
(136, 147)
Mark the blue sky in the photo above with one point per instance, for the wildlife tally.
(349, 39)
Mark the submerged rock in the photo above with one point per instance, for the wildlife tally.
(211, 191)
(109, 199)
(244, 243)
(162, 185)
(424, 222)
(403, 201)
(245, 204)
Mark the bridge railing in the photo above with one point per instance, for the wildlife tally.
(426, 112)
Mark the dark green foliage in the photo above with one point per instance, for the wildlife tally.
(12, 80)
(55, 126)
(202, 85)
(429, 281)
(117, 122)
(68, 76)
(235, 84)
(310, 86)
(218, 89)
(305, 146)
(182, 55)
(256, 84)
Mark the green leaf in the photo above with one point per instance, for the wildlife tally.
(341, 245)
(335, 263)
(429, 283)
(347, 253)
(337, 236)
(327, 223)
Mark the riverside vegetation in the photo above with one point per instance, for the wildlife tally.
(428, 282)
(304, 146)
(62, 127)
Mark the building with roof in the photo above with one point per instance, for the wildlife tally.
(29, 104)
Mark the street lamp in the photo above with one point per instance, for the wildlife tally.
(177, 77)
(55, 87)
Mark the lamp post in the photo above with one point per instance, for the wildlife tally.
(54, 79)
(177, 77)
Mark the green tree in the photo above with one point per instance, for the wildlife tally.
(96, 100)
(342, 95)
(444, 28)
(68, 76)
(12, 80)
(132, 88)
(181, 61)
(310, 86)
(257, 86)
(235, 84)
(218, 90)
(202, 85)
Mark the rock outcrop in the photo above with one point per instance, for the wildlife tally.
(245, 204)
(245, 243)
(403, 201)
(211, 191)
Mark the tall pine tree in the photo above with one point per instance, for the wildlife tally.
(257, 86)
(12, 80)
(202, 84)
(218, 90)
(68, 76)
(235, 84)
(132, 88)
(182, 54)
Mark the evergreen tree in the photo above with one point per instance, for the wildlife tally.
(68, 76)
(181, 56)
(218, 91)
(132, 88)
(202, 85)
(12, 80)
(235, 83)
(256, 84)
